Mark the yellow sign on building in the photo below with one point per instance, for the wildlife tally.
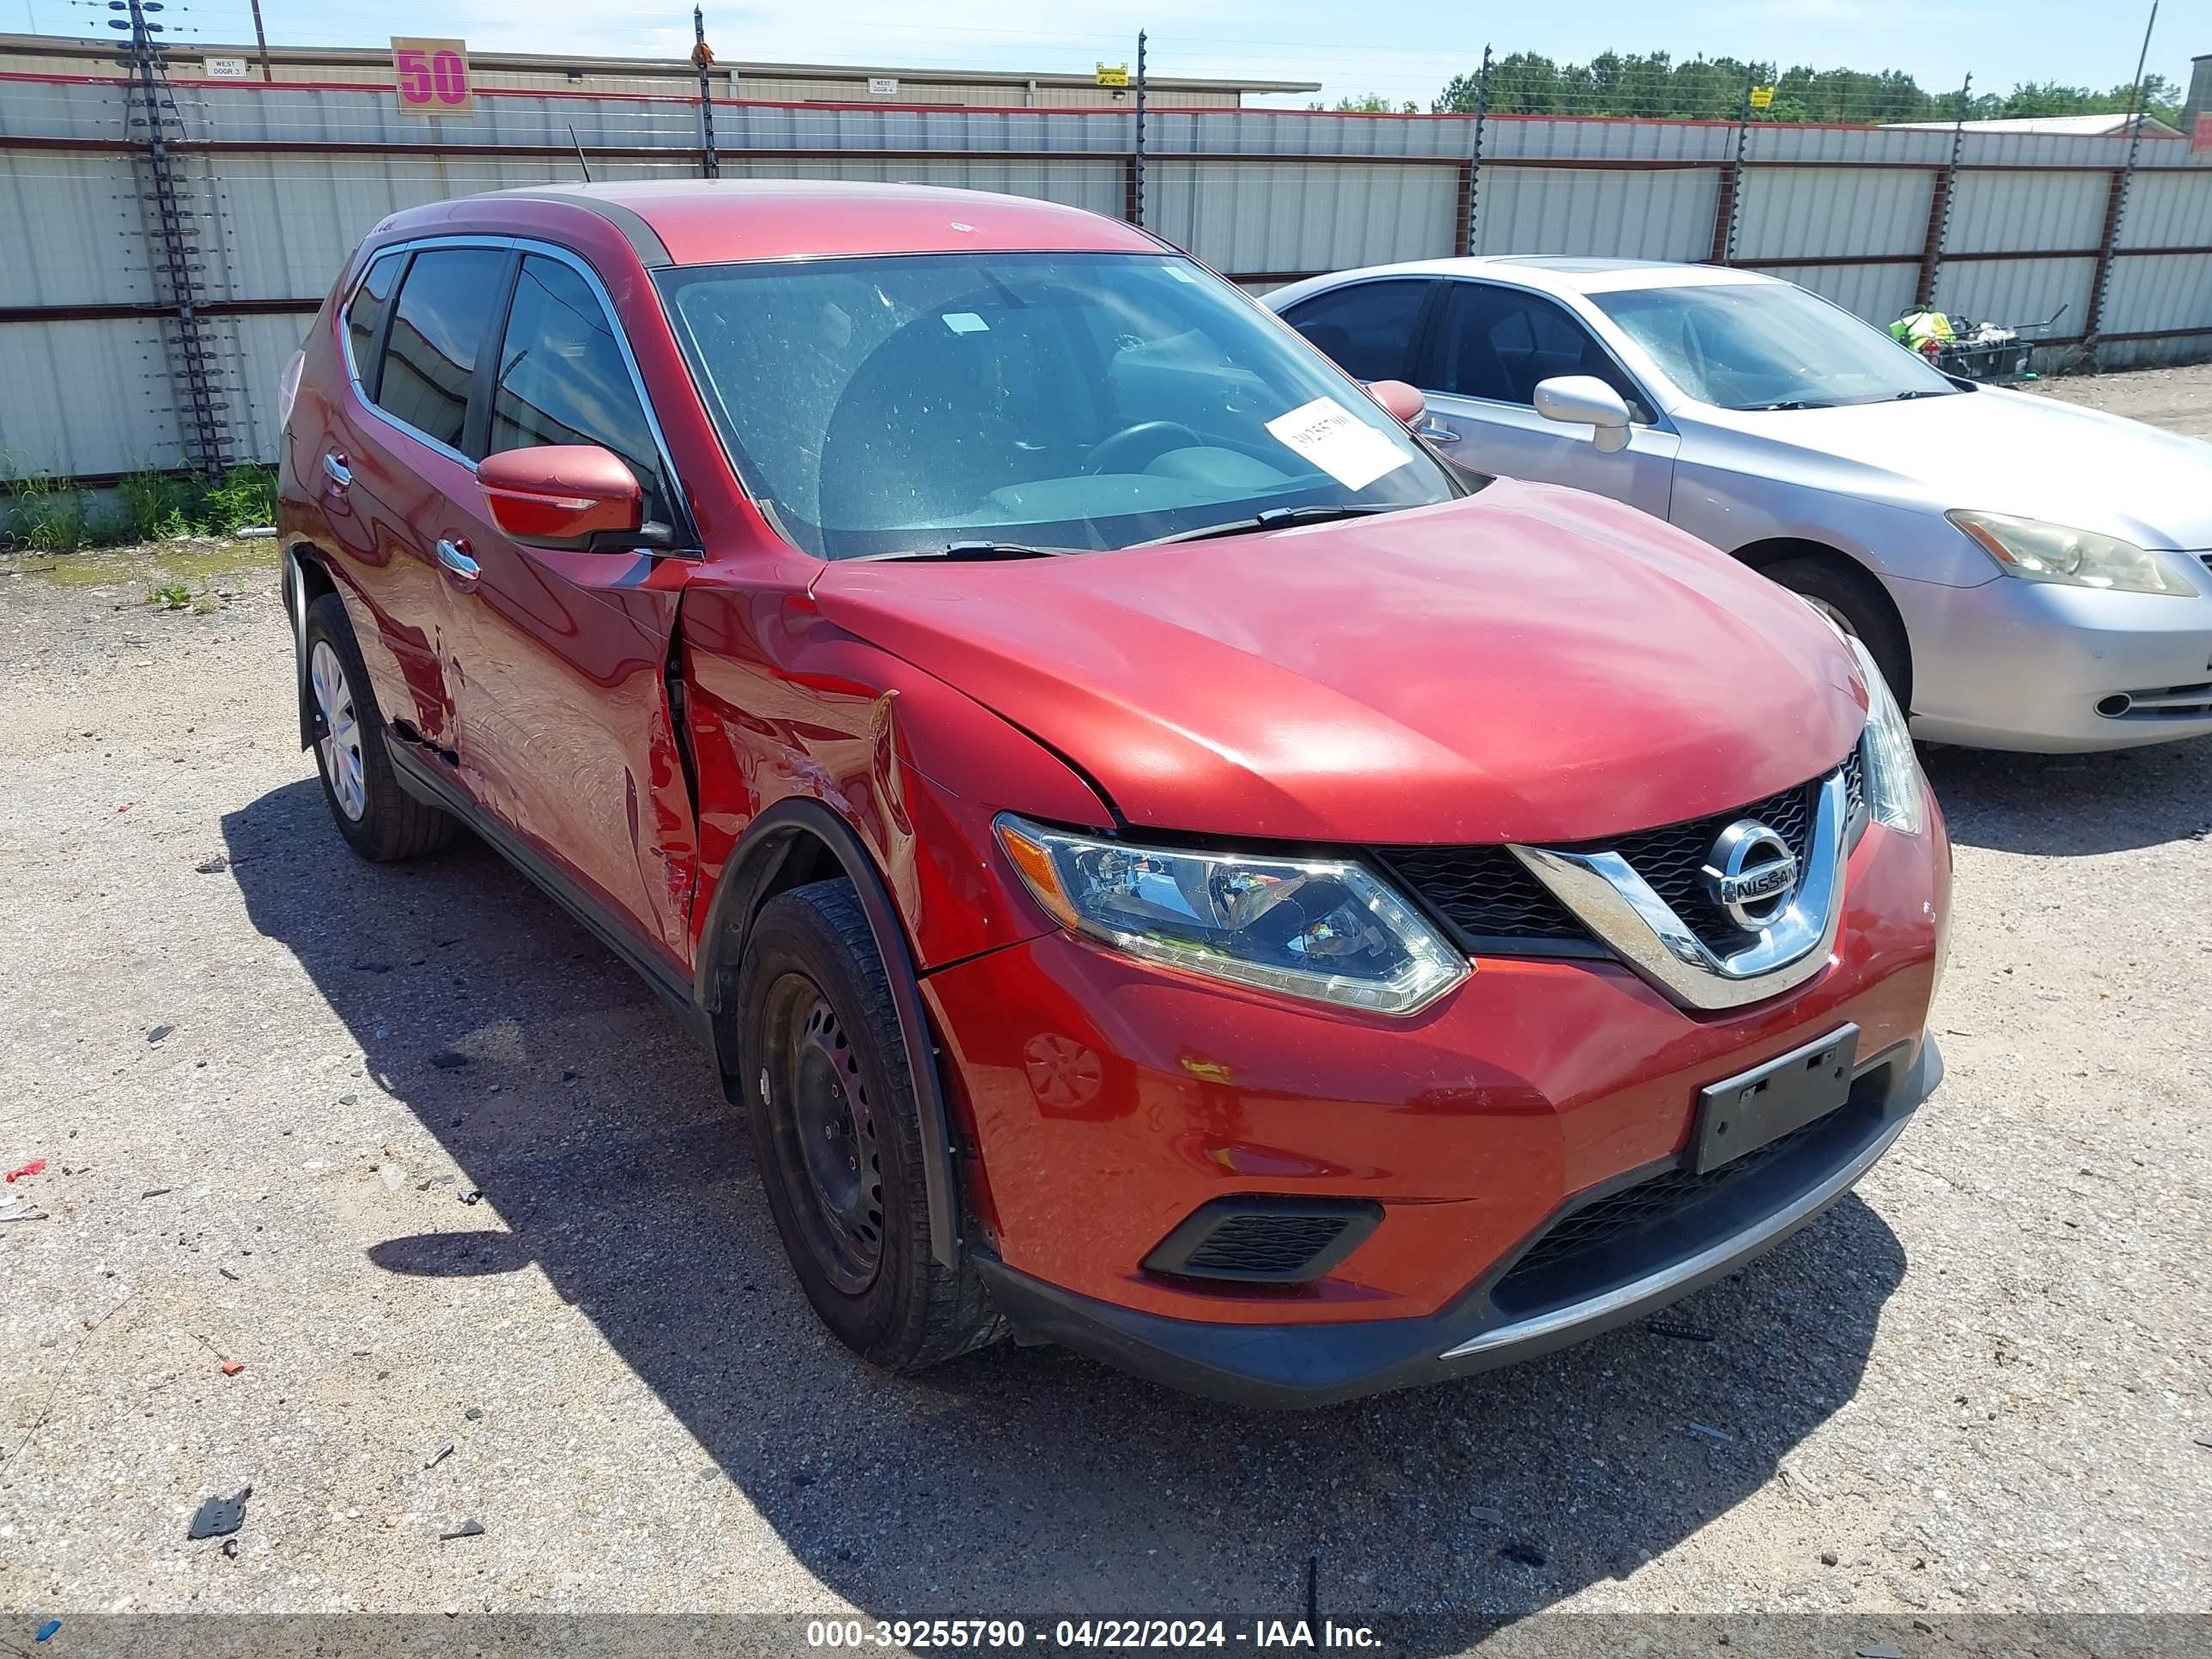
(1112, 75)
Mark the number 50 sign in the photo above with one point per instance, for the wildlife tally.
(433, 74)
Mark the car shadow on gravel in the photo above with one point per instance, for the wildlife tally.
(2074, 805)
(1014, 1482)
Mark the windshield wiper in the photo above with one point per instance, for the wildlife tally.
(1793, 403)
(1275, 518)
(976, 552)
(1922, 391)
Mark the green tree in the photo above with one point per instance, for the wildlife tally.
(1653, 85)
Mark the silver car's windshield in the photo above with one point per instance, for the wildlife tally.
(899, 404)
(1761, 345)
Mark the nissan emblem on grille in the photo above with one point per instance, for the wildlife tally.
(1751, 874)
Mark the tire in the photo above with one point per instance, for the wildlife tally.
(839, 1139)
(1860, 606)
(378, 819)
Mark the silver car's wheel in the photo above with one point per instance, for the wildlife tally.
(340, 746)
(1834, 614)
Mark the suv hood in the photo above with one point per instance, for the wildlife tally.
(1531, 664)
(2017, 452)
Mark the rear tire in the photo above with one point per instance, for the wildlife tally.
(378, 819)
(839, 1138)
(1858, 603)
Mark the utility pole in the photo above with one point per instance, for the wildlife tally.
(195, 376)
(1141, 129)
(261, 40)
(703, 58)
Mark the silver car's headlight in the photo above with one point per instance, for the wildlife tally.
(1310, 928)
(1889, 772)
(2039, 552)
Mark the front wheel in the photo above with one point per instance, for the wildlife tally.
(1855, 602)
(838, 1136)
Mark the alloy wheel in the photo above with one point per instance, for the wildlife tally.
(339, 747)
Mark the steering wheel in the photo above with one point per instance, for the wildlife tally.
(1135, 446)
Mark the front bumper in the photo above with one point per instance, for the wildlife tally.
(1314, 1364)
(2018, 665)
(1102, 1102)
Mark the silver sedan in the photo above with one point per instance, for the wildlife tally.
(2029, 574)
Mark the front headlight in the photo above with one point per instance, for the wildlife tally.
(1889, 773)
(2039, 552)
(1319, 928)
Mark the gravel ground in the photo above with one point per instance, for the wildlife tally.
(410, 1148)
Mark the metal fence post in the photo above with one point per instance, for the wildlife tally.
(1938, 207)
(1137, 164)
(702, 55)
(1724, 212)
(195, 376)
(1471, 227)
(2115, 204)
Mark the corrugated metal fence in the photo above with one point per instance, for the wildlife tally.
(283, 180)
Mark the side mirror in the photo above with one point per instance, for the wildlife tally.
(574, 496)
(1404, 402)
(1585, 400)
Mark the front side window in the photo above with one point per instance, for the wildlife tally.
(1498, 343)
(1368, 329)
(437, 330)
(365, 316)
(897, 403)
(1766, 345)
(563, 379)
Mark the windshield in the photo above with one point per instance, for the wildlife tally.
(1761, 345)
(898, 404)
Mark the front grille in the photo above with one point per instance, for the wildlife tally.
(1484, 892)
(1669, 859)
(1666, 1217)
(1491, 899)
(1264, 1240)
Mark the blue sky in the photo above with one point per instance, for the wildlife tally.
(1405, 49)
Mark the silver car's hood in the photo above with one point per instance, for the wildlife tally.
(2012, 451)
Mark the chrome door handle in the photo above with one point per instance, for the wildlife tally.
(454, 556)
(336, 469)
(1435, 433)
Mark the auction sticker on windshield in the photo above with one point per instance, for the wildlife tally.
(1346, 448)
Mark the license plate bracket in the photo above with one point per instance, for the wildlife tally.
(1741, 1114)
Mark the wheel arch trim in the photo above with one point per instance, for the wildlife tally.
(753, 863)
(296, 583)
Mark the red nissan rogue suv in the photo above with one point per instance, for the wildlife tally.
(1168, 865)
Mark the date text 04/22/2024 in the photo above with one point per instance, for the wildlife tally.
(990, 1634)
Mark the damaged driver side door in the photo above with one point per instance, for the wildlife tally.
(561, 664)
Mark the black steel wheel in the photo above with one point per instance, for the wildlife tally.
(833, 1165)
(838, 1137)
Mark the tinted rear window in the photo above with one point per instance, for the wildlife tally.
(437, 333)
(1366, 330)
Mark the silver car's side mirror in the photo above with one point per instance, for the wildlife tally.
(1585, 400)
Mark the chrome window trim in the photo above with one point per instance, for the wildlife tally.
(1604, 891)
(575, 261)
